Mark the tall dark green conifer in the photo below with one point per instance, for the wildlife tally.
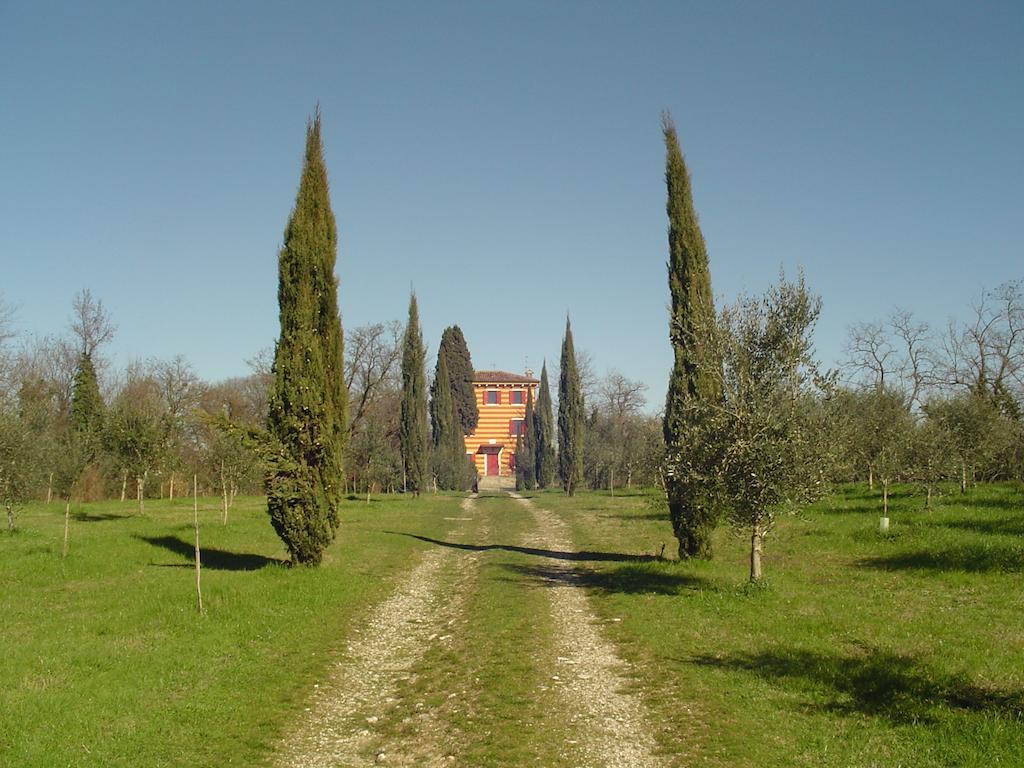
(412, 426)
(520, 468)
(695, 370)
(87, 409)
(308, 401)
(460, 379)
(449, 454)
(570, 418)
(544, 432)
(526, 457)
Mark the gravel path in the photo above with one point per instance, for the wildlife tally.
(611, 727)
(338, 726)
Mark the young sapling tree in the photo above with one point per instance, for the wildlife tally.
(757, 450)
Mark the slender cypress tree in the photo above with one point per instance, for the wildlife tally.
(526, 457)
(460, 369)
(570, 418)
(544, 432)
(520, 467)
(449, 453)
(87, 409)
(695, 369)
(442, 413)
(412, 428)
(308, 401)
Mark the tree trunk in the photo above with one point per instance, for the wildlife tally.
(67, 525)
(224, 491)
(195, 521)
(928, 500)
(885, 497)
(756, 541)
(10, 517)
(170, 494)
(49, 489)
(124, 486)
(871, 479)
(963, 477)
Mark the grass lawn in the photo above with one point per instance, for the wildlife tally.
(863, 650)
(905, 649)
(106, 663)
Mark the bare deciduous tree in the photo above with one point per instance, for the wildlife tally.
(372, 356)
(90, 322)
(6, 322)
(916, 366)
(986, 354)
(178, 384)
(869, 354)
(620, 397)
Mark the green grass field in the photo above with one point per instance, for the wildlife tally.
(106, 663)
(862, 650)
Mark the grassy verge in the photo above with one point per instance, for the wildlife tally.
(106, 662)
(864, 649)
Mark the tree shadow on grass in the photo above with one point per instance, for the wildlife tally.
(1006, 526)
(638, 516)
(97, 517)
(972, 558)
(878, 683)
(638, 578)
(852, 509)
(1013, 501)
(555, 554)
(215, 559)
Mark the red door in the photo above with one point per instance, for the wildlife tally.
(492, 463)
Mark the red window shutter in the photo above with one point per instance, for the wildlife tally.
(511, 426)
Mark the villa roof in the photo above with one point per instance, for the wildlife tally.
(501, 377)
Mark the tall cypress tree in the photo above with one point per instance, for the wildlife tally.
(696, 369)
(449, 454)
(544, 432)
(460, 379)
(520, 467)
(526, 456)
(412, 428)
(87, 408)
(308, 401)
(570, 418)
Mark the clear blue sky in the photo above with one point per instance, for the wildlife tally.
(506, 160)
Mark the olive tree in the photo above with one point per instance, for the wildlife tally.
(758, 450)
(18, 468)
